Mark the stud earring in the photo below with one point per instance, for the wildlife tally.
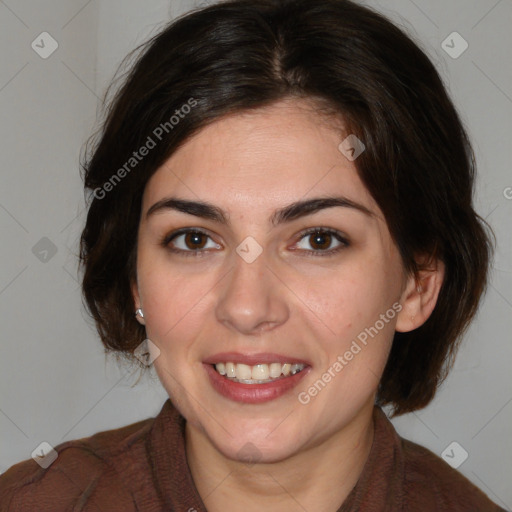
(139, 312)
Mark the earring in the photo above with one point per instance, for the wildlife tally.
(139, 312)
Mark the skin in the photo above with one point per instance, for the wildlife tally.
(287, 301)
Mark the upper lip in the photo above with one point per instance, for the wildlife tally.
(253, 359)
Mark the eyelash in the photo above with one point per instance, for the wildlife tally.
(201, 252)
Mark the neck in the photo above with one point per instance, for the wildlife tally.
(318, 478)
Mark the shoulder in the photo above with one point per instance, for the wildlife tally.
(87, 473)
(432, 484)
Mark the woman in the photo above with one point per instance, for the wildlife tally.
(281, 221)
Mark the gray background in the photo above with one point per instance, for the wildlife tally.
(55, 381)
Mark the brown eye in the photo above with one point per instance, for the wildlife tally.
(189, 242)
(320, 241)
(195, 240)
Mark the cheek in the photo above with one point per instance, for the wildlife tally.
(356, 345)
(351, 296)
(171, 299)
(174, 308)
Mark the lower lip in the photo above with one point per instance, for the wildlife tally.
(253, 393)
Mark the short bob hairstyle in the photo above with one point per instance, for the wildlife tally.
(352, 62)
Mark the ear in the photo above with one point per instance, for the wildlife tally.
(420, 294)
(137, 302)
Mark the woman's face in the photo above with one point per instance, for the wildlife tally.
(256, 286)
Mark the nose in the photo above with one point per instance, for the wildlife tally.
(252, 298)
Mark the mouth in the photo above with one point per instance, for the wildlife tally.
(256, 378)
(258, 373)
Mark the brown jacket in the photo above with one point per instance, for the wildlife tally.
(143, 467)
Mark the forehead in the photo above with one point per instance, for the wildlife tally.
(261, 159)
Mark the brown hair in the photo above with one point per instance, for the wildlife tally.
(245, 54)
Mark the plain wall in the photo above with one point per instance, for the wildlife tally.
(55, 381)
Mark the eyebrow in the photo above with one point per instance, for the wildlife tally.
(288, 213)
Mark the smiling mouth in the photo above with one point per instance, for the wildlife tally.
(258, 373)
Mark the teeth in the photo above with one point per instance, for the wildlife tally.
(230, 370)
(259, 373)
(296, 368)
(243, 372)
(275, 370)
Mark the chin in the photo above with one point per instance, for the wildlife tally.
(254, 453)
(264, 445)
